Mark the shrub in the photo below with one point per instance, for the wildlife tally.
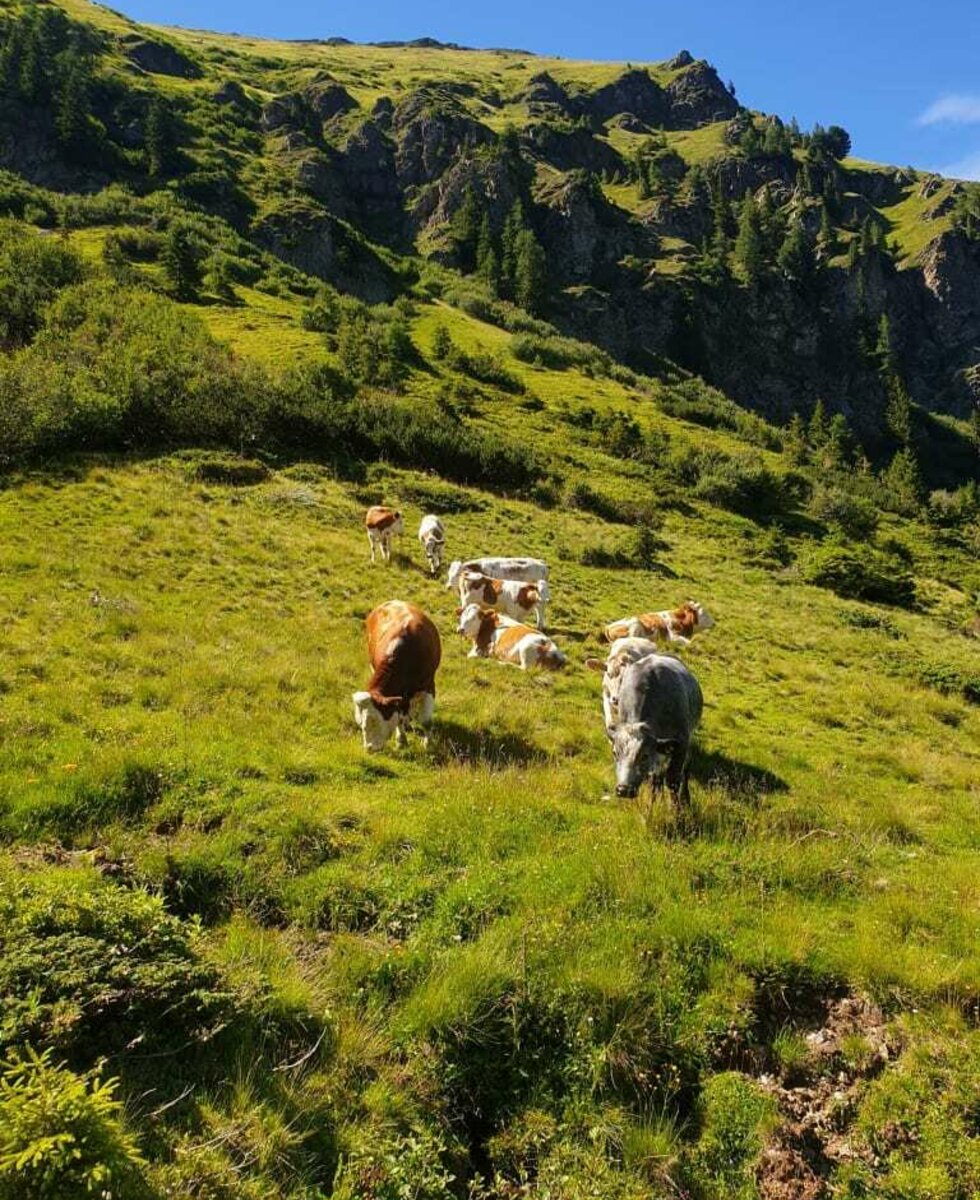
(639, 553)
(63, 1134)
(736, 1116)
(861, 573)
(744, 485)
(32, 270)
(853, 516)
(558, 353)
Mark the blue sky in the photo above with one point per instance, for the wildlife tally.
(902, 77)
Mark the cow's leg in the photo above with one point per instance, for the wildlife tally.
(370, 538)
(542, 605)
(424, 706)
(677, 774)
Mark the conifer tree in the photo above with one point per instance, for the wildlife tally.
(487, 261)
(465, 228)
(825, 238)
(161, 139)
(838, 449)
(794, 441)
(898, 408)
(513, 226)
(902, 483)
(530, 272)
(71, 121)
(817, 428)
(749, 245)
(181, 262)
(796, 255)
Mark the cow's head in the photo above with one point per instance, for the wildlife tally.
(397, 524)
(377, 722)
(701, 618)
(455, 569)
(433, 552)
(635, 756)
(471, 619)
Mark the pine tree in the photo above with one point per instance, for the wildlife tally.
(721, 219)
(898, 408)
(817, 429)
(853, 254)
(750, 251)
(825, 238)
(442, 343)
(181, 262)
(465, 228)
(161, 139)
(902, 483)
(794, 441)
(71, 121)
(838, 450)
(530, 272)
(796, 255)
(487, 261)
(513, 226)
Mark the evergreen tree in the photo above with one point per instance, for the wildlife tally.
(902, 483)
(442, 343)
(817, 429)
(838, 450)
(530, 272)
(161, 139)
(181, 261)
(853, 254)
(721, 220)
(825, 238)
(71, 121)
(487, 261)
(513, 226)
(796, 255)
(750, 252)
(794, 441)
(898, 408)
(465, 228)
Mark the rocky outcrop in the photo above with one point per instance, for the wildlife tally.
(492, 178)
(633, 92)
(950, 267)
(326, 99)
(159, 58)
(431, 131)
(683, 58)
(544, 95)
(736, 175)
(583, 234)
(570, 149)
(698, 97)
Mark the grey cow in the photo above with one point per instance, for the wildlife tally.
(660, 705)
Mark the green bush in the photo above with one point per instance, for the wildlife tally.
(853, 516)
(558, 353)
(861, 573)
(744, 485)
(63, 1135)
(32, 271)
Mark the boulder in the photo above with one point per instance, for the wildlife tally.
(568, 149)
(159, 58)
(325, 99)
(633, 92)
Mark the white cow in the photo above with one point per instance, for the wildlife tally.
(432, 536)
(496, 636)
(512, 597)
(527, 570)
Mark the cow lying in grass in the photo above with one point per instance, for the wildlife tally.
(660, 705)
(432, 536)
(496, 636)
(526, 570)
(382, 524)
(662, 627)
(512, 597)
(404, 650)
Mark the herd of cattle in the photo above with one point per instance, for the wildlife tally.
(651, 702)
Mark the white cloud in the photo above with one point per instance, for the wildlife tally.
(957, 108)
(967, 167)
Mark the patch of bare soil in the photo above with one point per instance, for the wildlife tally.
(818, 1101)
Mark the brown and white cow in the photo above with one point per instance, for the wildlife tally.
(525, 570)
(404, 650)
(432, 536)
(678, 626)
(496, 636)
(508, 596)
(382, 524)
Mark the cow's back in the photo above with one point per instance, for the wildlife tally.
(403, 645)
(662, 692)
(525, 570)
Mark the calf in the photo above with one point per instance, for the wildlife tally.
(404, 651)
(527, 570)
(495, 636)
(508, 596)
(382, 524)
(678, 626)
(660, 705)
(622, 653)
(433, 539)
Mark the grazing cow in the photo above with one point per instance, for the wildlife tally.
(508, 596)
(495, 636)
(622, 653)
(660, 705)
(382, 524)
(527, 570)
(433, 539)
(678, 626)
(404, 651)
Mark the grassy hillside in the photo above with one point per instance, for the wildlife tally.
(242, 958)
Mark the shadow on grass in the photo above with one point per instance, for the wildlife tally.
(712, 767)
(455, 743)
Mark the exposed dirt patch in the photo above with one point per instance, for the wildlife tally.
(818, 1100)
